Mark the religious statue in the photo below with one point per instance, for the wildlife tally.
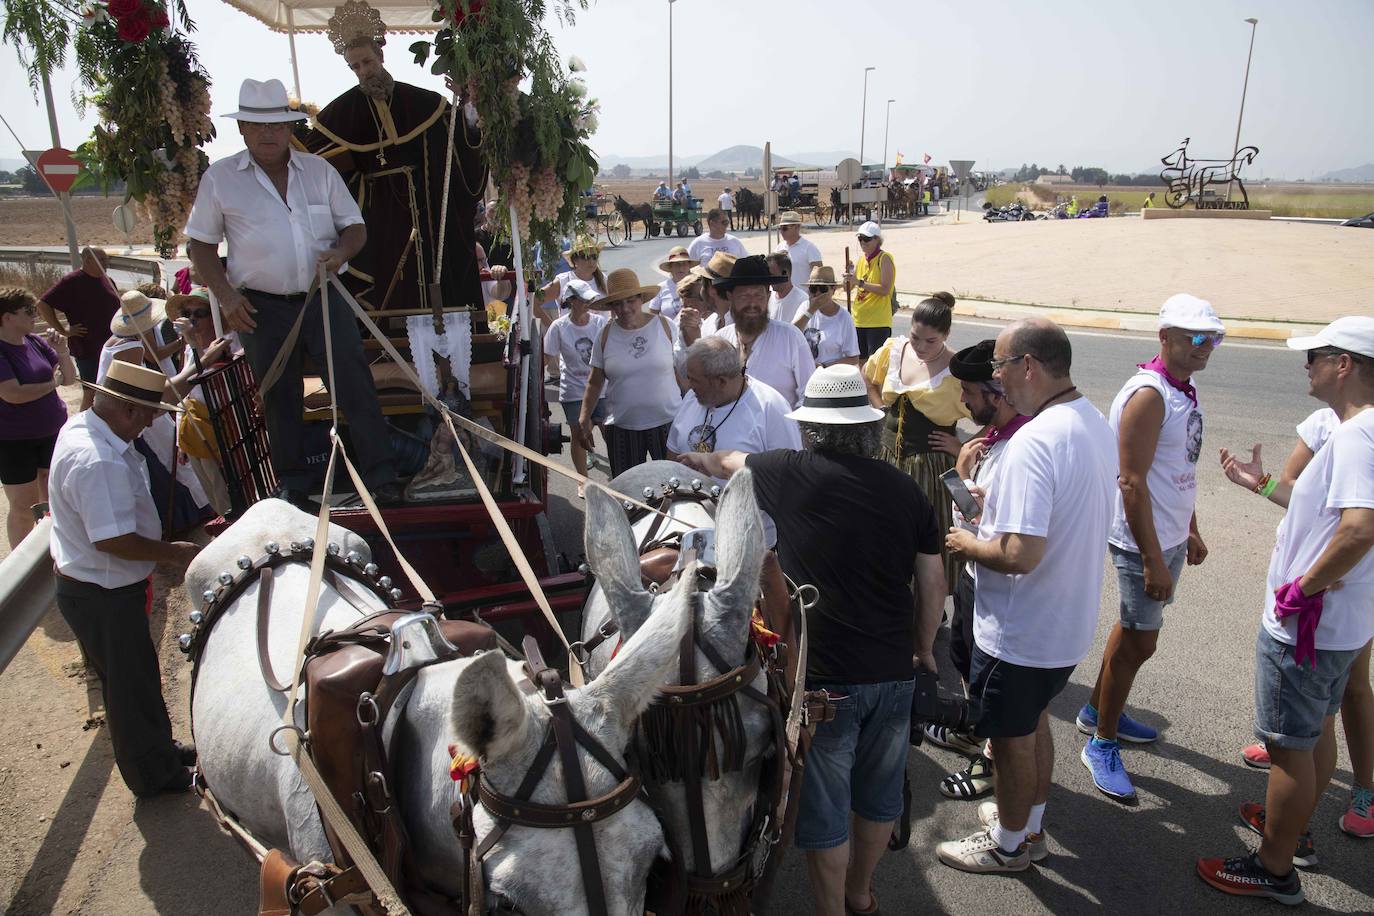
(390, 141)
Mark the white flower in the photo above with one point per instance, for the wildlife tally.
(578, 88)
(575, 64)
(92, 13)
(591, 123)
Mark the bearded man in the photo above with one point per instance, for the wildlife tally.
(389, 140)
(775, 353)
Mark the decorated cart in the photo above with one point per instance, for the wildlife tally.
(807, 199)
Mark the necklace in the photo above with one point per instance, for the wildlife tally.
(1053, 397)
(705, 440)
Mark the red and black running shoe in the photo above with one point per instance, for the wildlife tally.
(1304, 856)
(1246, 877)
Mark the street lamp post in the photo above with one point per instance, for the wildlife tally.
(863, 123)
(887, 123)
(670, 91)
(1235, 150)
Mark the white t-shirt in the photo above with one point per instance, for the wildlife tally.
(779, 358)
(726, 201)
(641, 388)
(757, 422)
(831, 337)
(573, 344)
(802, 254)
(563, 279)
(785, 309)
(713, 323)
(1318, 427)
(703, 247)
(666, 301)
(1172, 478)
(1340, 476)
(1056, 482)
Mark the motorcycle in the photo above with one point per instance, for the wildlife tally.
(1012, 213)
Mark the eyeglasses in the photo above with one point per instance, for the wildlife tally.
(1213, 337)
(817, 290)
(997, 364)
(1314, 355)
(866, 238)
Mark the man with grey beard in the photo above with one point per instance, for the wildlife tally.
(389, 142)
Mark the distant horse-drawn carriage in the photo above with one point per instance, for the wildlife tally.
(806, 198)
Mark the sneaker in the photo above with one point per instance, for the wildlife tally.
(979, 853)
(1036, 843)
(1127, 729)
(1305, 856)
(949, 739)
(973, 781)
(1256, 755)
(1103, 760)
(1246, 877)
(1358, 820)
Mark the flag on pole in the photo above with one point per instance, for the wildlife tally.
(926, 158)
(899, 158)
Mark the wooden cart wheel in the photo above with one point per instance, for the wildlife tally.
(615, 229)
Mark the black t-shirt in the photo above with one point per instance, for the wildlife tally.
(851, 527)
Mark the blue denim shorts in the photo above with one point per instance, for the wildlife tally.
(1292, 700)
(857, 762)
(1138, 610)
(573, 409)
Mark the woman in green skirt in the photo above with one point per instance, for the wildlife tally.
(909, 376)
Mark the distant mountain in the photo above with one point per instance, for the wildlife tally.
(739, 158)
(1358, 173)
(608, 161)
(732, 159)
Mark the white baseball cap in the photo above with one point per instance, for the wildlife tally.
(836, 395)
(1189, 313)
(1353, 333)
(871, 230)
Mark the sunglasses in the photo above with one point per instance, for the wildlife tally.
(1314, 355)
(195, 314)
(816, 290)
(866, 238)
(586, 257)
(1201, 337)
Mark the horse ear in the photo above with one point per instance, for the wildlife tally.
(739, 550)
(488, 711)
(614, 559)
(627, 685)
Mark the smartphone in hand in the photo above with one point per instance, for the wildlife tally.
(960, 494)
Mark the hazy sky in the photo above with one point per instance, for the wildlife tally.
(1002, 82)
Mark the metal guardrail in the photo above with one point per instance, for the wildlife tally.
(27, 590)
(141, 268)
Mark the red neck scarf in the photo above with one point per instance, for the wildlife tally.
(1006, 431)
(1157, 366)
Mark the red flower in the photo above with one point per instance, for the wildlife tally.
(456, 10)
(121, 8)
(160, 20)
(134, 29)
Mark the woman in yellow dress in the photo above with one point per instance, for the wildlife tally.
(910, 377)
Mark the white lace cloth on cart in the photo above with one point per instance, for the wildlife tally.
(455, 345)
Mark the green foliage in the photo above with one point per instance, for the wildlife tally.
(28, 177)
(41, 32)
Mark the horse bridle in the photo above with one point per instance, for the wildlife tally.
(563, 737)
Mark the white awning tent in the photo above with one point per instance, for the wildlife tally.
(292, 16)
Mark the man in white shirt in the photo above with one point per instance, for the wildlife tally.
(774, 353)
(1037, 585)
(725, 410)
(802, 252)
(715, 239)
(1317, 617)
(284, 215)
(786, 298)
(106, 539)
(1158, 426)
(726, 202)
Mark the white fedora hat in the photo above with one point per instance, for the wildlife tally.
(137, 314)
(265, 103)
(836, 395)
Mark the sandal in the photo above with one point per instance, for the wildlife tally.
(872, 906)
(973, 781)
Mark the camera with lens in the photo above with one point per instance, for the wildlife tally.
(931, 705)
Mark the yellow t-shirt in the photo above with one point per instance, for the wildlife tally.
(870, 309)
(939, 399)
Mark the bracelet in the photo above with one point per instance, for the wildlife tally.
(1267, 490)
(1263, 482)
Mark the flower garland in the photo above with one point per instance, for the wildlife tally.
(534, 142)
(153, 102)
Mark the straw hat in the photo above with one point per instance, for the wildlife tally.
(836, 395)
(135, 384)
(583, 244)
(686, 283)
(790, 218)
(821, 275)
(621, 285)
(676, 255)
(265, 103)
(721, 265)
(176, 305)
(137, 314)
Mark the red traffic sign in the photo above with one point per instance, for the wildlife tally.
(58, 168)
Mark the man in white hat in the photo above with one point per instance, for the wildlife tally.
(864, 535)
(106, 539)
(1317, 618)
(1158, 424)
(285, 214)
(803, 253)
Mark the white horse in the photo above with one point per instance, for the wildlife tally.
(475, 700)
(619, 595)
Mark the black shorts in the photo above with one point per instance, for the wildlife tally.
(1013, 696)
(21, 459)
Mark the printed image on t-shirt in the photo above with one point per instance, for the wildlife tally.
(1194, 446)
(813, 340)
(584, 349)
(639, 345)
(702, 438)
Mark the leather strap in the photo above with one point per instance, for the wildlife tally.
(264, 628)
(533, 814)
(288, 346)
(319, 894)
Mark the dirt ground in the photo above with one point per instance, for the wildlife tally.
(27, 221)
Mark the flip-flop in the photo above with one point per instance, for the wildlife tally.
(872, 906)
(973, 781)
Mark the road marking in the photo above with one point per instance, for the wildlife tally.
(1230, 345)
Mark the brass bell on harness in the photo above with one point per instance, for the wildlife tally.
(715, 492)
(244, 562)
(629, 506)
(648, 492)
(208, 596)
(384, 582)
(371, 570)
(696, 485)
(332, 549)
(355, 558)
(226, 578)
(196, 618)
(184, 642)
(395, 594)
(674, 483)
(272, 548)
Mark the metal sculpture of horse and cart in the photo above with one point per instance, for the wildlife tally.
(1189, 179)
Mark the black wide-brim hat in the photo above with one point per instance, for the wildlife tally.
(750, 271)
(973, 364)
